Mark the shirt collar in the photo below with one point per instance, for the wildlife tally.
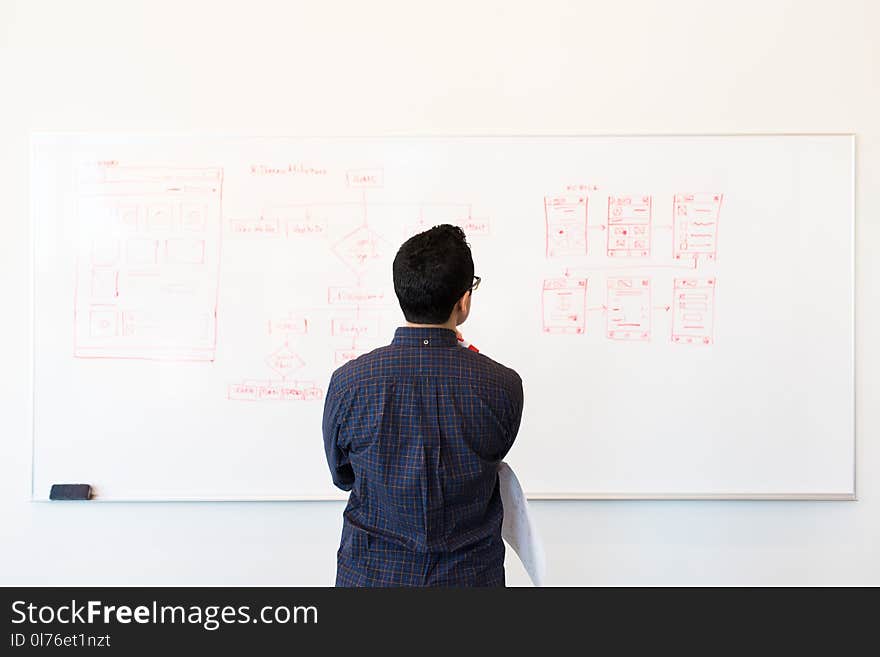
(424, 337)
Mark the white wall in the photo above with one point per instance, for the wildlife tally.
(464, 67)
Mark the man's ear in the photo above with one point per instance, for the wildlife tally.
(464, 303)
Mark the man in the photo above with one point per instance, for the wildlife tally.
(416, 431)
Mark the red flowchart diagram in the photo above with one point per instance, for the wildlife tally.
(149, 257)
(629, 285)
(275, 391)
(693, 316)
(565, 218)
(695, 228)
(352, 319)
(564, 305)
(148, 266)
(628, 308)
(629, 226)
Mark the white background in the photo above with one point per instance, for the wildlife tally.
(410, 68)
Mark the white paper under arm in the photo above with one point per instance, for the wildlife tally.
(517, 528)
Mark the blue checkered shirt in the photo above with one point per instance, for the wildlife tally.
(415, 430)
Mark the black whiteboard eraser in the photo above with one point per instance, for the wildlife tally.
(70, 492)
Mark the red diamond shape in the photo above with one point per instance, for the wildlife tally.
(284, 361)
(360, 249)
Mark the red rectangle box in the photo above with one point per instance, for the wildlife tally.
(305, 227)
(693, 311)
(564, 305)
(475, 226)
(356, 296)
(274, 391)
(695, 229)
(365, 178)
(243, 392)
(629, 226)
(301, 391)
(629, 309)
(254, 226)
(565, 219)
(295, 325)
(270, 391)
(355, 328)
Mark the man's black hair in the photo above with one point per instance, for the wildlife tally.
(432, 270)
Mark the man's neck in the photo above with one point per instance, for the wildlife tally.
(450, 325)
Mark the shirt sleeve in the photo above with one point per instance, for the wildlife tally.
(513, 412)
(337, 458)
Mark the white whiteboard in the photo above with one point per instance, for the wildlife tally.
(680, 308)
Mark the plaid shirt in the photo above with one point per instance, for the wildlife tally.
(415, 431)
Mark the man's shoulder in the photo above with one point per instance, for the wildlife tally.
(467, 365)
(362, 366)
(481, 360)
(491, 370)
